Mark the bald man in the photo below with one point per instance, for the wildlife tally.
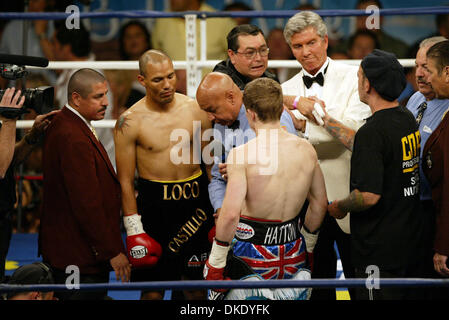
(168, 224)
(80, 222)
(269, 180)
(222, 100)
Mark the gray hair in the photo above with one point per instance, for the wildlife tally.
(428, 42)
(302, 20)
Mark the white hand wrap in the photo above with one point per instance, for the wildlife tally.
(133, 225)
(318, 113)
(310, 239)
(218, 255)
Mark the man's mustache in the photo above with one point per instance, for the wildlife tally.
(423, 81)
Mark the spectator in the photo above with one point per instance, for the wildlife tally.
(338, 55)
(38, 43)
(239, 6)
(134, 40)
(362, 43)
(279, 50)
(386, 41)
(442, 24)
(174, 45)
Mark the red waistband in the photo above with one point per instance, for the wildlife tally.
(258, 219)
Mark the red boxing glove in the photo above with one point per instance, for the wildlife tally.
(211, 234)
(212, 273)
(215, 264)
(142, 250)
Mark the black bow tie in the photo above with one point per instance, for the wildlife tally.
(308, 81)
(235, 125)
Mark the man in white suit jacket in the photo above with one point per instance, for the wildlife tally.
(334, 86)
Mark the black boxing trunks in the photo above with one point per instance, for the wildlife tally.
(179, 216)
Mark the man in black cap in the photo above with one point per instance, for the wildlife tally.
(31, 274)
(386, 224)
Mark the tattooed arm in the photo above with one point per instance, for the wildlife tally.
(125, 137)
(339, 131)
(356, 201)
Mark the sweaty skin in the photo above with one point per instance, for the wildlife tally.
(296, 177)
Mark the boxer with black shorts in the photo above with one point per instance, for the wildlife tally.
(177, 215)
(167, 226)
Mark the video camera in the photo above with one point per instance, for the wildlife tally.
(12, 67)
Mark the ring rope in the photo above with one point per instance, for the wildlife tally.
(230, 284)
(136, 14)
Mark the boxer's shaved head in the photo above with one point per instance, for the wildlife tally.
(81, 82)
(151, 56)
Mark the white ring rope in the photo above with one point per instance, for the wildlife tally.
(134, 65)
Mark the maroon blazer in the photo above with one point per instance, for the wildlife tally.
(80, 223)
(436, 168)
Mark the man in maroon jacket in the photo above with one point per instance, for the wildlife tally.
(80, 224)
(436, 156)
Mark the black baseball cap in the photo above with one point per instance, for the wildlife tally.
(384, 73)
(34, 273)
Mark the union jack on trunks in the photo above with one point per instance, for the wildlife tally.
(273, 261)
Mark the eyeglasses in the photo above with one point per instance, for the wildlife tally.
(251, 53)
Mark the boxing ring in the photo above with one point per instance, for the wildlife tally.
(193, 65)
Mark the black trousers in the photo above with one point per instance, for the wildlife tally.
(432, 293)
(416, 270)
(5, 239)
(325, 258)
(73, 294)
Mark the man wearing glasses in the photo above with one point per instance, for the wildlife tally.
(248, 55)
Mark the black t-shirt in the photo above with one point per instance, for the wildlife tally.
(385, 161)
